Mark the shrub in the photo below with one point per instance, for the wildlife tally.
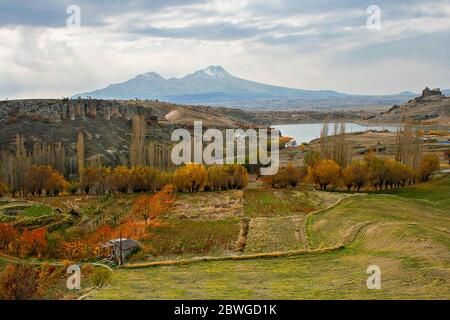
(101, 277)
(73, 187)
(18, 282)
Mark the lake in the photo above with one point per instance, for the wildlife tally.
(306, 132)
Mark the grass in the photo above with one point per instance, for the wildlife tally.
(405, 233)
(275, 234)
(324, 276)
(285, 202)
(38, 211)
(180, 237)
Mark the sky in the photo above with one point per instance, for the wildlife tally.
(310, 44)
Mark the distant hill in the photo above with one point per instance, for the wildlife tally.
(209, 85)
(429, 108)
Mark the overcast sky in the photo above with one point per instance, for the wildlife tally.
(310, 44)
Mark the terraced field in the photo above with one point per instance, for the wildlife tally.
(405, 233)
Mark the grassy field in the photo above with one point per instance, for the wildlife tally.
(405, 233)
(181, 237)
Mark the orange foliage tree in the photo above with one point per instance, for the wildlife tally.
(150, 207)
(33, 242)
(447, 155)
(190, 178)
(286, 176)
(45, 179)
(327, 172)
(429, 164)
(8, 234)
(355, 175)
(18, 282)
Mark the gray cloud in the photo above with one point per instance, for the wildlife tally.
(302, 39)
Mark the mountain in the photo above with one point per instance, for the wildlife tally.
(210, 85)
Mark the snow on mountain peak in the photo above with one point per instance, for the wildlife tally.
(215, 72)
(150, 76)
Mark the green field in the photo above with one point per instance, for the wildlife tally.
(405, 233)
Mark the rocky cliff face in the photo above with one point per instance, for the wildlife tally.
(106, 125)
(60, 110)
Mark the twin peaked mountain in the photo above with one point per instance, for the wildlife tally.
(210, 85)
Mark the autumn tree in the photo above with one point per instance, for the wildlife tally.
(190, 178)
(216, 178)
(311, 159)
(447, 155)
(378, 171)
(18, 282)
(3, 188)
(45, 179)
(137, 148)
(429, 164)
(286, 176)
(355, 175)
(121, 179)
(150, 207)
(144, 179)
(7, 235)
(327, 172)
(237, 176)
(80, 151)
(33, 242)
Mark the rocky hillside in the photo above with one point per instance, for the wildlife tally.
(106, 124)
(432, 107)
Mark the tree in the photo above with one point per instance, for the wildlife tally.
(429, 164)
(294, 175)
(137, 148)
(190, 178)
(121, 179)
(7, 235)
(447, 155)
(3, 188)
(355, 174)
(378, 172)
(286, 176)
(325, 173)
(216, 178)
(45, 178)
(237, 176)
(150, 207)
(18, 282)
(80, 151)
(33, 242)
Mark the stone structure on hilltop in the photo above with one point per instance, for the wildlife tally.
(427, 92)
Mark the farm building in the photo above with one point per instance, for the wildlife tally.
(112, 249)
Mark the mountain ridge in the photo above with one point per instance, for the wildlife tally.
(213, 83)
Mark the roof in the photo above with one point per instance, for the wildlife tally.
(126, 243)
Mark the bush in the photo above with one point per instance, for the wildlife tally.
(18, 282)
(73, 187)
(190, 178)
(101, 277)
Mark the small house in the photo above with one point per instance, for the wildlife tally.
(119, 249)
